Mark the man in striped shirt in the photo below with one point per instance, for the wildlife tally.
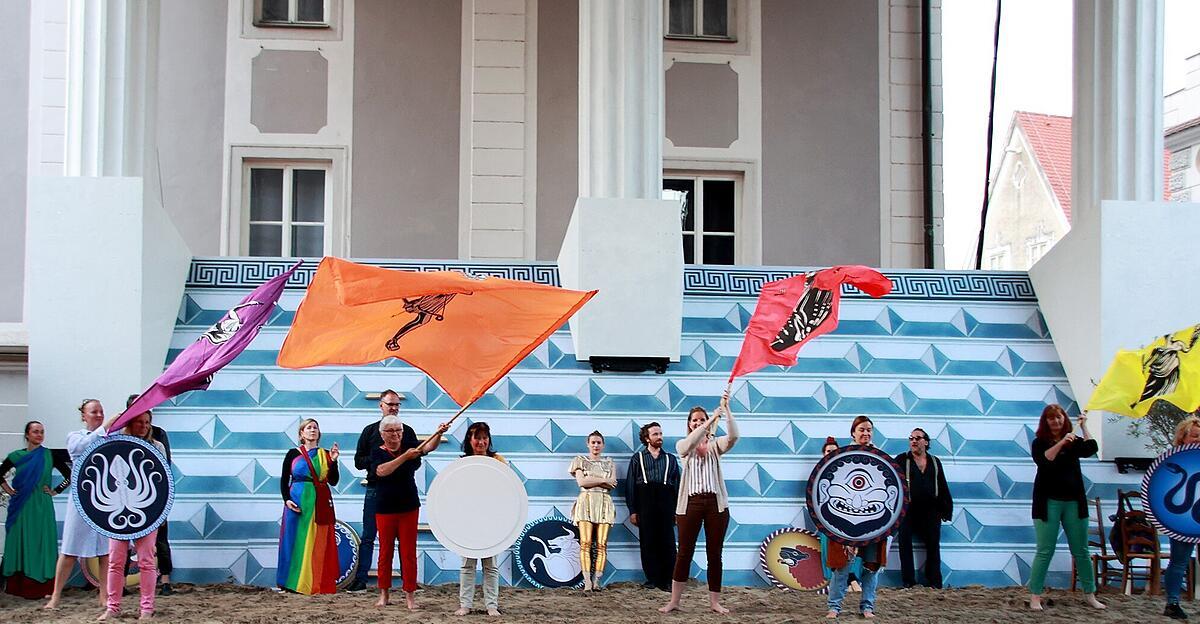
(651, 488)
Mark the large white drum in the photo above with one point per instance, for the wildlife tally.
(476, 507)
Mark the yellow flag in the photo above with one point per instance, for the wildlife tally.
(1166, 369)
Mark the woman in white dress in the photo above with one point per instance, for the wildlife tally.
(79, 538)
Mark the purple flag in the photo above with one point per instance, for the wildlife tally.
(216, 347)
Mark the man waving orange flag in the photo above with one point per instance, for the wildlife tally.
(462, 331)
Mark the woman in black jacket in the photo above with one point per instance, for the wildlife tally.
(1059, 499)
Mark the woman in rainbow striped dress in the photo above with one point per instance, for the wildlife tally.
(308, 559)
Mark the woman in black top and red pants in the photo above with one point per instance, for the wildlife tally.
(394, 465)
(1059, 499)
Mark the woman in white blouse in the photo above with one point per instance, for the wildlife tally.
(703, 500)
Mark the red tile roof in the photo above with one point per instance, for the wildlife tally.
(1050, 139)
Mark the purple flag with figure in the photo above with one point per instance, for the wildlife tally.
(193, 369)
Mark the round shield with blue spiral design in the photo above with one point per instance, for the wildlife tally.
(1169, 493)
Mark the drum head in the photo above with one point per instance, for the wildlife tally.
(476, 507)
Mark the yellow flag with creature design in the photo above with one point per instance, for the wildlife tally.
(1167, 369)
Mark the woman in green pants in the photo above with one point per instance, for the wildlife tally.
(1059, 499)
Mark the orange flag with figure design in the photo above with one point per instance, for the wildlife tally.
(465, 332)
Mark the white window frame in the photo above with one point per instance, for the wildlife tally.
(696, 204)
(236, 219)
(999, 258)
(731, 24)
(1036, 248)
(293, 17)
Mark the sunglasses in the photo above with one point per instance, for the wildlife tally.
(915, 438)
(391, 404)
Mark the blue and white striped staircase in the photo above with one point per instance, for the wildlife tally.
(966, 356)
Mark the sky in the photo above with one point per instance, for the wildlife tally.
(1034, 74)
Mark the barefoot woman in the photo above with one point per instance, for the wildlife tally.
(703, 500)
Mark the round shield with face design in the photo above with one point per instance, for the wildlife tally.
(856, 495)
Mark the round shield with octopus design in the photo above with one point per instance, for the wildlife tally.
(791, 559)
(856, 495)
(123, 487)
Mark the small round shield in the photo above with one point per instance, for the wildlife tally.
(123, 487)
(856, 495)
(345, 538)
(791, 559)
(547, 553)
(476, 506)
(1169, 493)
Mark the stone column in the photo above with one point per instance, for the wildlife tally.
(1117, 130)
(623, 240)
(111, 46)
(620, 99)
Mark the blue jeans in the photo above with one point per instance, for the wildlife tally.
(1181, 554)
(366, 546)
(841, 578)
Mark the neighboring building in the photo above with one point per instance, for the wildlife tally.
(1030, 207)
(1181, 118)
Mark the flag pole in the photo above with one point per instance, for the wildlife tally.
(713, 428)
(421, 446)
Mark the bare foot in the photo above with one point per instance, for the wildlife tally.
(410, 601)
(494, 612)
(106, 615)
(1095, 604)
(869, 614)
(146, 615)
(587, 582)
(1035, 603)
(832, 615)
(717, 608)
(382, 602)
(462, 611)
(52, 605)
(669, 607)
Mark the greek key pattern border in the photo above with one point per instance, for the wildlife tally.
(735, 282)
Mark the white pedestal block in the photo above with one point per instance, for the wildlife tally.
(105, 271)
(1116, 282)
(631, 250)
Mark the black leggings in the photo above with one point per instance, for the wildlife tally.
(701, 509)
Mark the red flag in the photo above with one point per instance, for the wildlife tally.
(792, 311)
(464, 332)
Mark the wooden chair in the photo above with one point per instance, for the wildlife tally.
(1141, 552)
(1103, 562)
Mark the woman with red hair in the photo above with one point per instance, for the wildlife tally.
(1059, 499)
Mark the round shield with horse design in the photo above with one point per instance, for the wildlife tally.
(123, 487)
(547, 553)
(856, 495)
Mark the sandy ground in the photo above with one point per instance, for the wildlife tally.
(624, 603)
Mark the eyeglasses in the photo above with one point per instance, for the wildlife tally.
(397, 404)
(389, 431)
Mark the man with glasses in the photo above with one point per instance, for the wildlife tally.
(929, 505)
(368, 440)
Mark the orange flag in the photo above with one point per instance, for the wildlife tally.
(464, 332)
